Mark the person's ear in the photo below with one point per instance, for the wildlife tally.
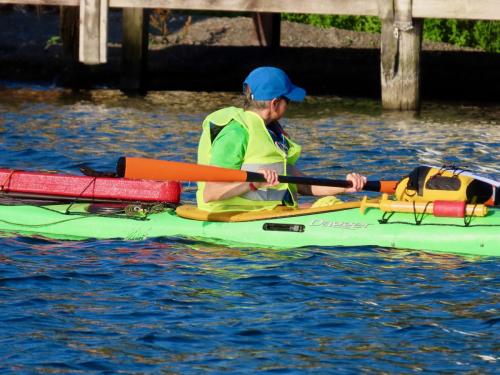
(275, 104)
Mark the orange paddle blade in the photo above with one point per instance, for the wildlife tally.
(388, 187)
(152, 169)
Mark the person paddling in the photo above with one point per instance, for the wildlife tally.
(252, 139)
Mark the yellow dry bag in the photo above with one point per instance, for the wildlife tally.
(428, 184)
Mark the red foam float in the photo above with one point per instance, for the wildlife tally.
(108, 188)
(449, 208)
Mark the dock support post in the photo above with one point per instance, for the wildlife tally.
(134, 49)
(93, 31)
(268, 29)
(400, 55)
(74, 72)
(69, 21)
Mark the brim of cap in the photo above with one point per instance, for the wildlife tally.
(297, 94)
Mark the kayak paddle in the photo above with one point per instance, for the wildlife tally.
(152, 169)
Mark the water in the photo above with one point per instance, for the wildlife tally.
(171, 306)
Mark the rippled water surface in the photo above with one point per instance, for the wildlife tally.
(185, 307)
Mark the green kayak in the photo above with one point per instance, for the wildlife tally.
(340, 226)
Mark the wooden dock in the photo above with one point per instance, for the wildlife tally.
(401, 39)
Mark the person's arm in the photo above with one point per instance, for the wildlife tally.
(357, 180)
(215, 191)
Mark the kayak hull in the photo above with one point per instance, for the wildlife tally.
(337, 228)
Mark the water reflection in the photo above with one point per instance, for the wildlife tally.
(343, 135)
(166, 305)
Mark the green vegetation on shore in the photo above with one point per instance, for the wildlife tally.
(484, 35)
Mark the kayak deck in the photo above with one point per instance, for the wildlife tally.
(347, 227)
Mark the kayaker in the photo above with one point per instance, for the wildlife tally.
(251, 138)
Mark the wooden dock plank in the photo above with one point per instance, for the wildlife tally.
(461, 9)
(42, 2)
(353, 7)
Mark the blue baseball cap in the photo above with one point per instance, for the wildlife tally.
(268, 83)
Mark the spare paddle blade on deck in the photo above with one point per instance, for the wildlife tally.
(143, 168)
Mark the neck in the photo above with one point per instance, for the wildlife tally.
(265, 114)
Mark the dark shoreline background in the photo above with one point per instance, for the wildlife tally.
(216, 54)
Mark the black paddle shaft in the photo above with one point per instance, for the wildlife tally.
(258, 177)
